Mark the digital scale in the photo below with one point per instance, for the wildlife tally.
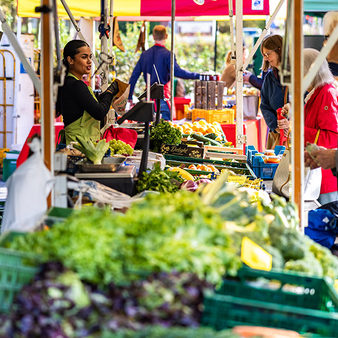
(121, 180)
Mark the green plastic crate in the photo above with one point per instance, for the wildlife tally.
(237, 167)
(14, 274)
(57, 215)
(290, 301)
(9, 166)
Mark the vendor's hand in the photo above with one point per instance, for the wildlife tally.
(325, 158)
(113, 88)
(283, 124)
(246, 77)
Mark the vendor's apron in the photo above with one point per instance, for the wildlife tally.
(85, 126)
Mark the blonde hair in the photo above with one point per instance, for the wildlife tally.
(323, 75)
(272, 42)
(159, 33)
(330, 21)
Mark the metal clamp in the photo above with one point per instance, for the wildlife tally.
(43, 9)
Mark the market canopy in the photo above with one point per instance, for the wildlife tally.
(320, 6)
(148, 8)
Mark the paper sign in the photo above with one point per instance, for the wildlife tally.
(255, 256)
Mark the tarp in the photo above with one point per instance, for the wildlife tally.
(320, 6)
(148, 8)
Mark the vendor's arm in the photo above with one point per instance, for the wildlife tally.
(184, 74)
(97, 109)
(134, 77)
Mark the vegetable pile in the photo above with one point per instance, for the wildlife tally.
(159, 180)
(119, 147)
(58, 304)
(93, 151)
(164, 133)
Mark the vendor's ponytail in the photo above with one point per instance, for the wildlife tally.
(71, 49)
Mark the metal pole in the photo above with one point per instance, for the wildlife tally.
(172, 58)
(320, 59)
(47, 109)
(240, 140)
(104, 48)
(215, 47)
(297, 104)
(18, 50)
(77, 28)
(111, 8)
(261, 37)
(231, 18)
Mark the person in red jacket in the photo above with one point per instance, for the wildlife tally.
(321, 115)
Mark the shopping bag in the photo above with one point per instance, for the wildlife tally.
(28, 188)
(281, 180)
(273, 140)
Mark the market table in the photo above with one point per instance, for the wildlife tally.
(36, 129)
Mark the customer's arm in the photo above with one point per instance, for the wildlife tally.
(184, 74)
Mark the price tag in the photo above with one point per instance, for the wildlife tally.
(255, 256)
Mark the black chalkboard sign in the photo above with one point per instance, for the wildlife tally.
(182, 150)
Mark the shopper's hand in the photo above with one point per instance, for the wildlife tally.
(246, 77)
(286, 109)
(283, 124)
(325, 158)
(309, 161)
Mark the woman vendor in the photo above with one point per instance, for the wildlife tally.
(81, 110)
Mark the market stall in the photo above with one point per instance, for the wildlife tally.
(193, 240)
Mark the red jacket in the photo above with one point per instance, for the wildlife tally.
(321, 112)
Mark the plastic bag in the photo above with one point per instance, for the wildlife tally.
(28, 188)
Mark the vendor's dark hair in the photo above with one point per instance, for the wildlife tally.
(71, 49)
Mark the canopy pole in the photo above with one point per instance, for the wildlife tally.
(240, 140)
(261, 37)
(320, 59)
(111, 8)
(215, 47)
(77, 28)
(172, 58)
(231, 18)
(47, 107)
(298, 112)
(104, 46)
(18, 50)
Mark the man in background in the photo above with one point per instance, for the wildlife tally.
(158, 56)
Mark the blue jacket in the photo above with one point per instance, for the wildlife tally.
(160, 57)
(272, 98)
(257, 82)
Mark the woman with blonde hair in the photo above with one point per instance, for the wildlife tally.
(321, 118)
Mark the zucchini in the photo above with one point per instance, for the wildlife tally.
(206, 139)
(211, 135)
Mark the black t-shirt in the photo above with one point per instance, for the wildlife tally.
(74, 98)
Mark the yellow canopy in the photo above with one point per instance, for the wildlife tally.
(85, 8)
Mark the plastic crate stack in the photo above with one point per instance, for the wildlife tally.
(284, 300)
(265, 171)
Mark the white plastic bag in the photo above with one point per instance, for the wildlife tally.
(312, 183)
(28, 188)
